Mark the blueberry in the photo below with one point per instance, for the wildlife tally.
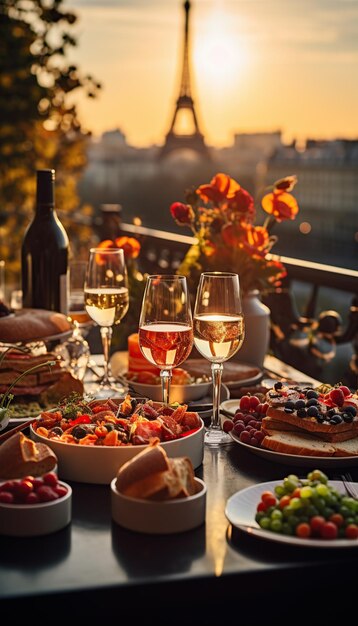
(320, 418)
(300, 404)
(312, 402)
(311, 394)
(331, 412)
(347, 417)
(336, 419)
(351, 409)
(289, 405)
(301, 413)
(312, 411)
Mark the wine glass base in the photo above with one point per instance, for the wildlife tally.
(216, 437)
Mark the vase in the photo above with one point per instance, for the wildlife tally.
(257, 330)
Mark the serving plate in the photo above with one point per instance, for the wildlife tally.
(298, 460)
(99, 464)
(240, 510)
(235, 374)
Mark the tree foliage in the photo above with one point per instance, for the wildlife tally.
(39, 126)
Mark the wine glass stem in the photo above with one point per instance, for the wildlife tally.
(165, 377)
(216, 371)
(106, 335)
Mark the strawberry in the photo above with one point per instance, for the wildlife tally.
(337, 396)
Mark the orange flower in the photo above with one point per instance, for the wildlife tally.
(129, 245)
(221, 187)
(281, 205)
(221, 216)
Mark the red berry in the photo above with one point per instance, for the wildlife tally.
(337, 396)
(303, 530)
(238, 416)
(9, 485)
(228, 425)
(46, 494)
(245, 403)
(239, 427)
(6, 497)
(32, 498)
(316, 523)
(254, 402)
(245, 436)
(50, 479)
(37, 482)
(61, 490)
(346, 391)
(23, 487)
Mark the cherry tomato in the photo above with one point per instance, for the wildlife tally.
(268, 498)
(337, 519)
(351, 531)
(316, 523)
(303, 530)
(284, 501)
(329, 530)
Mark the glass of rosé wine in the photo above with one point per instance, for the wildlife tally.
(166, 325)
(218, 334)
(106, 302)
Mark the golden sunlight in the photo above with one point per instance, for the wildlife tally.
(219, 54)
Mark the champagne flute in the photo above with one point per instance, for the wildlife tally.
(165, 325)
(218, 334)
(106, 301)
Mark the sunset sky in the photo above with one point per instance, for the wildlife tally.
(257, 65)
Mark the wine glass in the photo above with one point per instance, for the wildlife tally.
(218, 334)
(165, 325)
(106, 302)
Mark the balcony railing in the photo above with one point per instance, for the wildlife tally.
(314, 316)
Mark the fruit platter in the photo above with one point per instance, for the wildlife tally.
(93, 438)
(297, 424)
(311, 511)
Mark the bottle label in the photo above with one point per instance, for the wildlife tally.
(64, 292)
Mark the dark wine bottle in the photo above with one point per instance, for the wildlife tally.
(44, 252)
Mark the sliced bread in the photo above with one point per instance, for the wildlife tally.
(298, 444)
(271, 426)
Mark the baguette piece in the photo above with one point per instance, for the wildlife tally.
(347, 448)
(151, 475)
(20, 456)
(298, 444)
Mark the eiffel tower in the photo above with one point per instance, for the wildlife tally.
(175, 140)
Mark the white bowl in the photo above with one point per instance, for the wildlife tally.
(99, 464)
(31, 520)
(178, 393)
(167, 517)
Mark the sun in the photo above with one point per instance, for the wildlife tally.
(218, 54)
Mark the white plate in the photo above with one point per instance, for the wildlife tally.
(241, 508)
(224, 395)
(178, 393)
(230, 406)
(299, 461)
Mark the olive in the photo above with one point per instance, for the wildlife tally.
(79, 431)
(56, 430)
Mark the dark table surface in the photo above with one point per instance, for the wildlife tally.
(94, 562)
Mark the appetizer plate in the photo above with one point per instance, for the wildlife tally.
(166, 517)
(31, 520)
(241, 508)
(99, 464)
(235, 374)
(299, 461)
(178, 393)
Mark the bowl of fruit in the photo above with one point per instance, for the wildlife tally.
(34, 505)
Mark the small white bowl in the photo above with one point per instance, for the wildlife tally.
(178, 393)
(159, 518)
(98, 464)
(31, 520)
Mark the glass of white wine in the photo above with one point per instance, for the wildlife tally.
(106, 302)
(219, 332)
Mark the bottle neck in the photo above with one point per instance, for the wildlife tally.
(42, 210)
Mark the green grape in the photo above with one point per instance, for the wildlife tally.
(277, 514)
(322, 490)
(280, 491)
(290, 485)
(293, 520)
(276, 525)
(287, 529)
(265, 522)
(295, 503)
(318, 475)
(306, 492)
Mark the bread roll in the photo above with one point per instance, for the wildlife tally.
(20, 456)
(29, 324)
(151, 475)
